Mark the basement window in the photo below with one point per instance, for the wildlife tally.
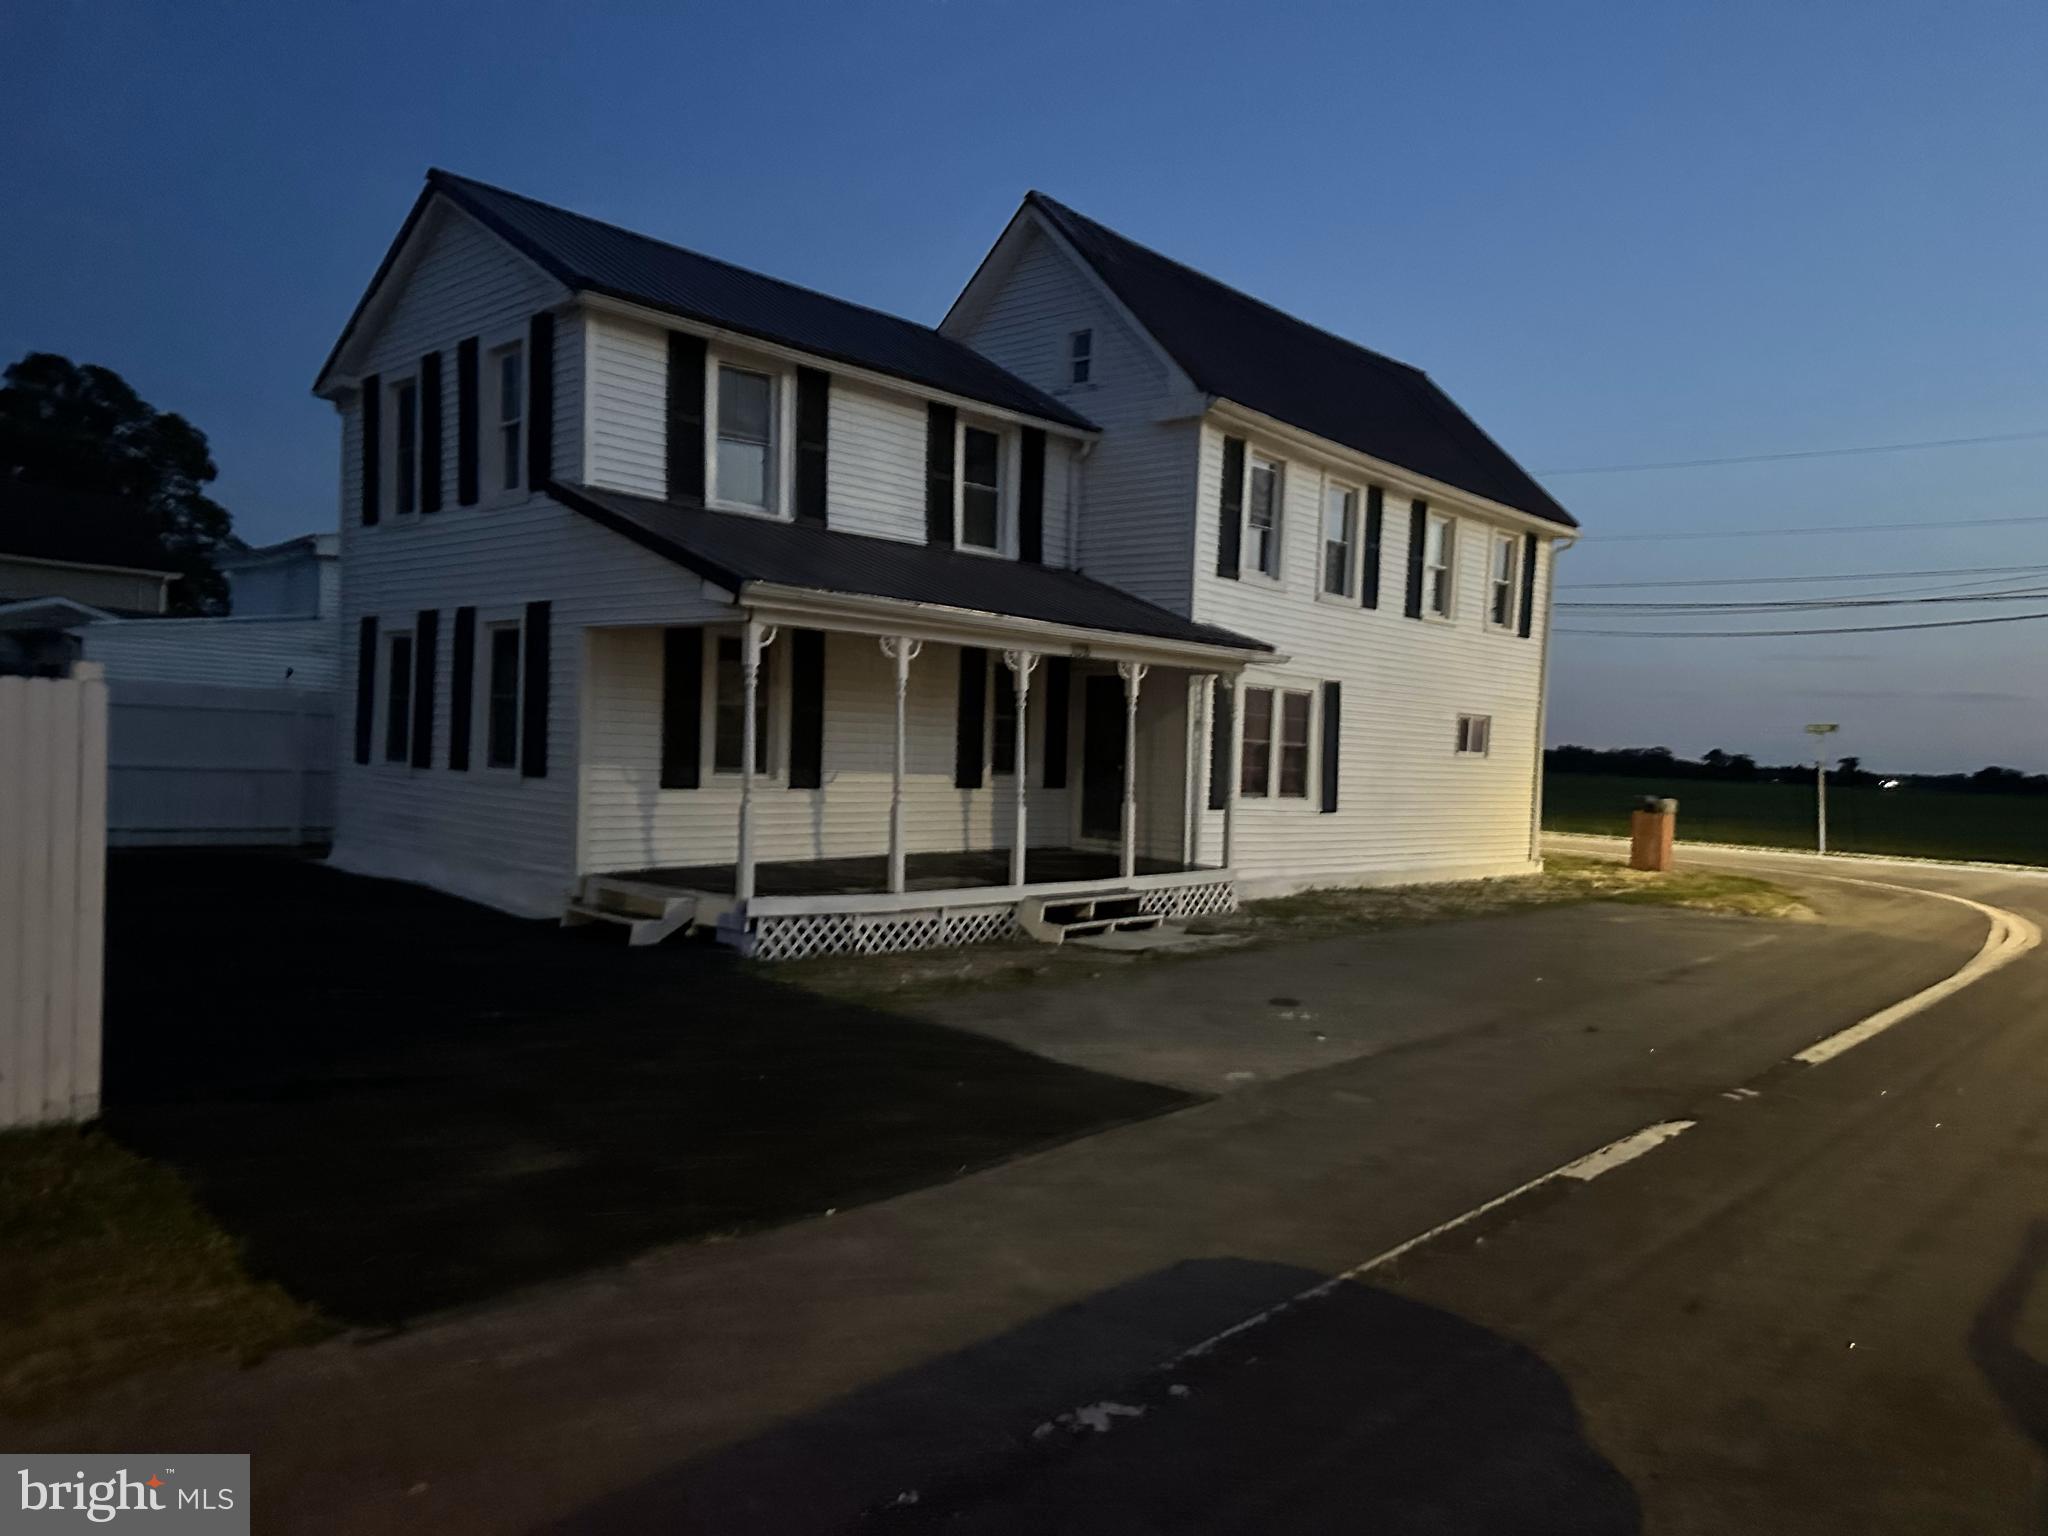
(1475, 735)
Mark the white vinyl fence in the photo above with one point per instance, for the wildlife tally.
(53, 863)
(200, 763)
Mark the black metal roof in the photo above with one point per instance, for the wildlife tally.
(586, 255)
(40, 522)
(732, 549)
(1238, 348)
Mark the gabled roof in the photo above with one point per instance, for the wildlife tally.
(732, 550)
(40, 522)
(1238, 348)
(588, 256)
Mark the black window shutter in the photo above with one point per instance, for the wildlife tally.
(1230, 509)
(1333, 714)
(813, 416)
(533, 746)
(1031, 499)
(1220, 760)
(682, 707)
(967, 760)
(807, 709)
(366, 686)
(1059, 682)
(540, 409)
(685, 418)
(1375, 526)
(430, 432)
(465, 423)
(461, 678)
(938, 476)
(1528, 621)
(373, 449)
(1418, 530)
(426, 643)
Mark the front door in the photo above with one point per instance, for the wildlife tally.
(1102, 758)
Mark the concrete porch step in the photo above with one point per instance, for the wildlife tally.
(648, 916)
(1055, 919)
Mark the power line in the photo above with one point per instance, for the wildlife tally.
(1771, 581)
(1738, 634)
(1814, 604)
(1768, 533)
(1801, 453)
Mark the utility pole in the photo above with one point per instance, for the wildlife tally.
(1820, 733)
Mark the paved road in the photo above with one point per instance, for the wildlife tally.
(1668, 1342)
(1823, 1308)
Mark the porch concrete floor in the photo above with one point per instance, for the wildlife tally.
(869, 873)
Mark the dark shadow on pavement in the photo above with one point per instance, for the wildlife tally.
(1357, 1411)
(2017, 1379)
(400, 1102)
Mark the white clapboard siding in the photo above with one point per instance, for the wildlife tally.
(250, 653)
(53, 788)
(192, 764)
(1409, 806)
(1138, 480)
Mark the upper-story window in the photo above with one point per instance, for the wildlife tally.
(1263, 489)
(1340, 538)
(1439, 551)
(1507, 561)
(744, 463)
(510, 377)
(1080, 356)
(981, 488)
(405, 446)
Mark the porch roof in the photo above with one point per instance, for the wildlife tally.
(733, 551)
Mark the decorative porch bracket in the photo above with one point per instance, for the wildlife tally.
(902, 651)
(1021, 664)
(1133, 673)
(758, 637)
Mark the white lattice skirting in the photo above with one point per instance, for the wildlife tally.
(1191, 900)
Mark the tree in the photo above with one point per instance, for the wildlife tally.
(79, 427)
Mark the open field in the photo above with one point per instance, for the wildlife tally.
(2004, 829)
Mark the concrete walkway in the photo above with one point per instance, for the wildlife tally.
(791, 1380)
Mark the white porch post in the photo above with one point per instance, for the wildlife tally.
(756, 637)
(902, 651)
(1021, 665)
(1133, 673)
(1231, 758)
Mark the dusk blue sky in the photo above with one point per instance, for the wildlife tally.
(1615, 233)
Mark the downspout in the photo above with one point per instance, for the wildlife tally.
(1557, 547)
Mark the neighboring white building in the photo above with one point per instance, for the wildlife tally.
(297, 579)
(675, 590)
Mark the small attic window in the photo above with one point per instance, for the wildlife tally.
(1080, 356)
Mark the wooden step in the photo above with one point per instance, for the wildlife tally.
(642, 927)
(1053, 919)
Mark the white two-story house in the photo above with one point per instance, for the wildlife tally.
(677, 593)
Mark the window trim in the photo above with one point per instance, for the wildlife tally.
(1449, 612)
(1465, 731)
(492, 628)
(1246, 565)
(1354, 546)
(770, 719)
(397, 712)
(1311, 786)
(1081, 357)
(1005, 547)
(781, 378)
(1512, 582)
(403, 489)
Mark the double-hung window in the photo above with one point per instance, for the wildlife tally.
(1003, 737)
(728, 734)
(398, 699)
(501, 721)
(981, 488)
(744, 465)
(1255, 771)
(1263, 488)
(1439, 550)
(1292, 774)
(511, 376)
(405, 445)
(1080, 356)
(1507, 560)
(1276, 744)
(1340, 539)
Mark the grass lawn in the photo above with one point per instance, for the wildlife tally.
(907, 979)
(109, 1266)
(2002, 829)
